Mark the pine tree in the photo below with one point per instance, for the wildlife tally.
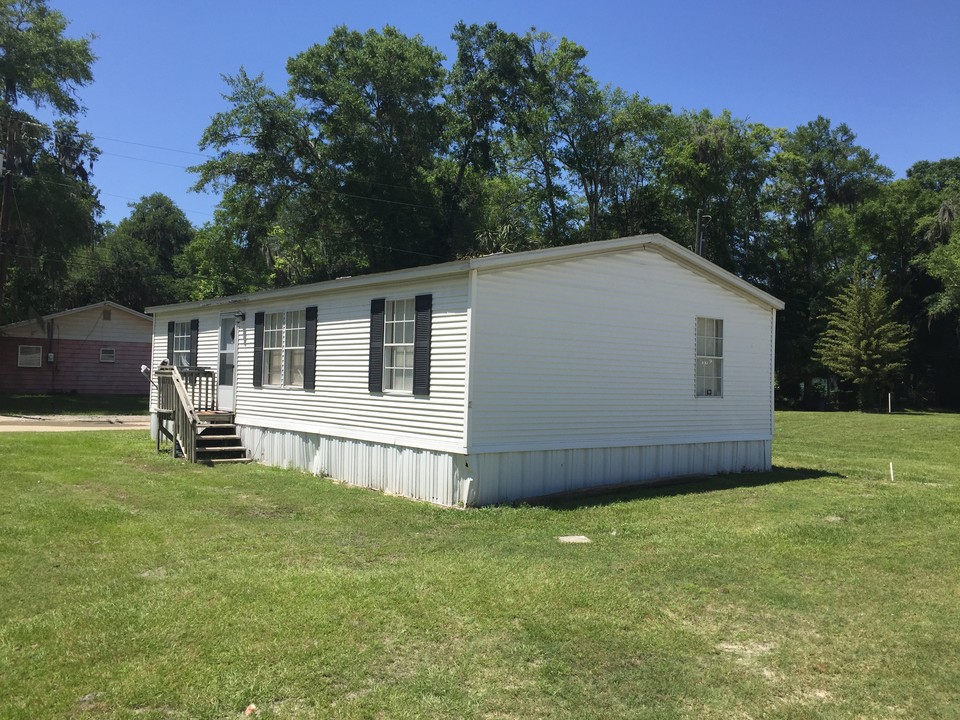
(863, 342)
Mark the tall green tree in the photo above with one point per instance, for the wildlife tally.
(39, 64)
(943, 261)
(550, 68)
(213, 265)
(373, 99)
(820, 172)
(863, 342)
(722, 165)
(334, 176)
(134, 263)
(157, 222)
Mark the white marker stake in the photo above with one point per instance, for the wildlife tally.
(891, 473)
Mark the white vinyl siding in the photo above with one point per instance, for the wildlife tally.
(614, 368)
(588, 352)
(709, 358)
(578, 368)
(208, 340)
(30, 356)
(399, 324)
(341, 404)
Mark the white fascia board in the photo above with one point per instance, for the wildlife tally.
(561, 252)
(321, 288)
(690, 259)
(352, 433)
(666, 247)
(496, 262)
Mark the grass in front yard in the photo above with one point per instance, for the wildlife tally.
(74, 405)
(138, 586)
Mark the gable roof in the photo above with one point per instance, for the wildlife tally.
(653, 242)
(72, 311)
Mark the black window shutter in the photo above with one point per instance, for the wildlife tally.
(194, 339)
(170, 329)
(421, 344)
(258, 350)
(375, 375)
(310, 350)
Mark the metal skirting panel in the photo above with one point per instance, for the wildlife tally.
(504, 477)
(483, 479)
(414, 473)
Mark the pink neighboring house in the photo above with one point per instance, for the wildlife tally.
(92, 350)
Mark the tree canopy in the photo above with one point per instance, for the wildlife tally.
(863, 342)
(46, 169)
(379, 153)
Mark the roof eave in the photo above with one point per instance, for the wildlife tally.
(495, 262)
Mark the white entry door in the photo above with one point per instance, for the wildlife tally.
(227, 374)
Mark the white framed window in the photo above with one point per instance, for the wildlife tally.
(181, 345)
(273, 348)
(294, 344)
(284, 340)
(399, 323)
(709, 361)
(30, 356)
(108, 355)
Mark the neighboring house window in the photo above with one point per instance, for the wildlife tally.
(181, 344)
(709, 382)
(284, 335)
(398, 327)
(30, 356)
(108, 355)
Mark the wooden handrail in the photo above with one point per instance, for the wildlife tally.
(179, 395)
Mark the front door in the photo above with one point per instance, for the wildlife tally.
(226, 376)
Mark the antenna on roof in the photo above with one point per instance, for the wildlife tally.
(702, 222)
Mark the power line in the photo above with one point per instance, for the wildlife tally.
(146, 160)
(355, 196)
(156, 147)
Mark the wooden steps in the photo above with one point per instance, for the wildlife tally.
(219, 443)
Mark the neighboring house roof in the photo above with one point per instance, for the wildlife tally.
(654, 242)
(72, 311)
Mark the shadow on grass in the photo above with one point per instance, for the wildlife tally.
(74, 404)
(612, 495)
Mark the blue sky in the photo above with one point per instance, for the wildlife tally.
(890, 70)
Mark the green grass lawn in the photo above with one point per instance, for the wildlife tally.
(136, 586)
(74, 405)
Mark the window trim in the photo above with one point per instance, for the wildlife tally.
(20, 356)
(111, 354)
(700, 380)
(422, 341)
(390, 346)
(281, 334)
(182, 344)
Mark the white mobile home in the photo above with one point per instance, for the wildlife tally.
(497, 378)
